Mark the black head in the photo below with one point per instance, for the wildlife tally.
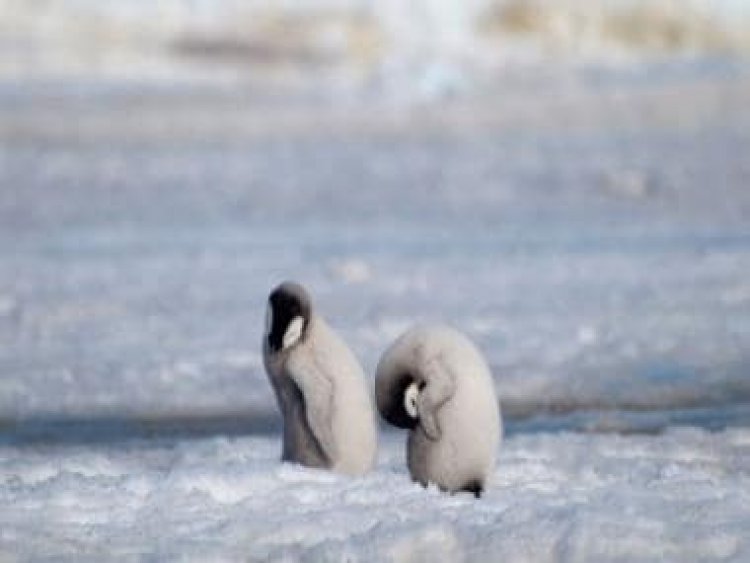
(288, 316)
(392, 401)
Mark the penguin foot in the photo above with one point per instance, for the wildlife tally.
(474, 487)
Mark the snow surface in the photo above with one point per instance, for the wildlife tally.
(681, 496)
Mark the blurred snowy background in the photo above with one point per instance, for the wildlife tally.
(566, 181)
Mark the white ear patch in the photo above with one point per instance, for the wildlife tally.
(293, 332)
(410, 400)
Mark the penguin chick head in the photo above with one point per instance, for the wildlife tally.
(397, 400)
(287, 316)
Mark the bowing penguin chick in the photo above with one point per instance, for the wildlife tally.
(327, 410)
(433, 381)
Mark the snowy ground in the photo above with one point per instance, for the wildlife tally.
(588, 226)
(680, 496)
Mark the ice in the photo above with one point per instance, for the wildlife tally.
(144, 290)
(682, 494)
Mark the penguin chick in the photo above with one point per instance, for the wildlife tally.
(328, 416)
(433, 381)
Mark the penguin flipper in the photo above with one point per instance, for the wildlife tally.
(317, 391)
(439, 387)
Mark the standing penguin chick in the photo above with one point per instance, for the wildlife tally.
(329, 419)
(434, 381)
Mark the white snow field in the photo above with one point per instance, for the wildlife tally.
(586, 221)
(680, 496)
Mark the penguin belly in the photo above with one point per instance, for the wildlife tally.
(356, 435)
(352, 414)
(461, 459)
(464, 456)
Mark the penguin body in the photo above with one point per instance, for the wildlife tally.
(433, 381)
(321, 390)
